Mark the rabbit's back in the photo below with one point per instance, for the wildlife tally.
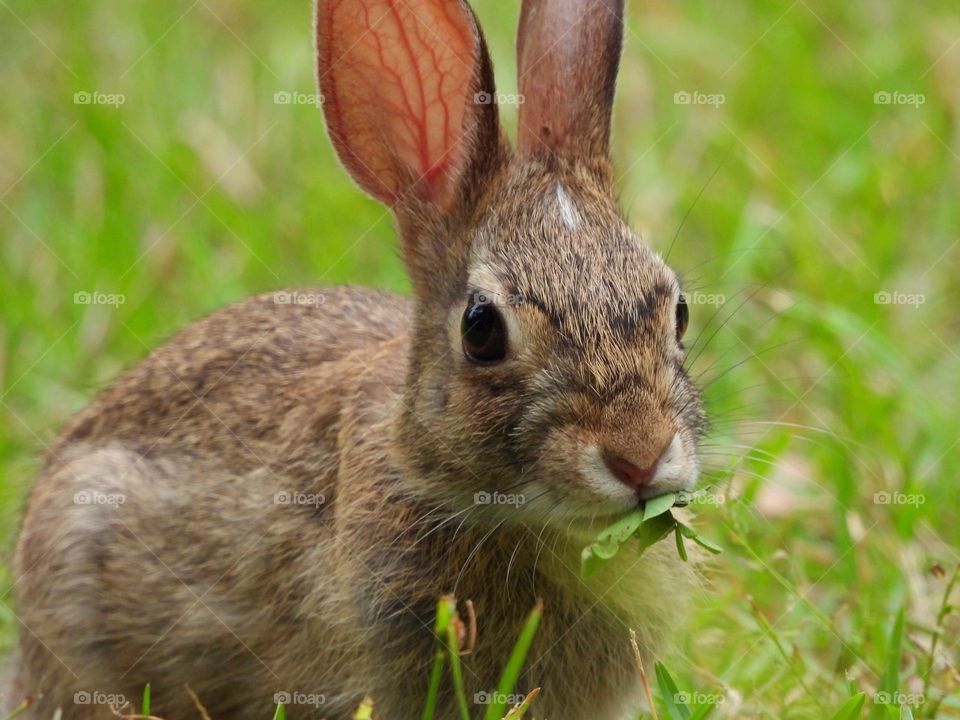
(182, 514)
(235, 379)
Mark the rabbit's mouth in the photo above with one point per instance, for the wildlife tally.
(578, 477)
(617, 480)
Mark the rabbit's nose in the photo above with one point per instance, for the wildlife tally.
(633, 470)
(629, 473)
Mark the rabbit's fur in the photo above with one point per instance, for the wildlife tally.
(298, 479)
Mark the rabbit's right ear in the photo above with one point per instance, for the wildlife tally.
(568, 53)
(407, 91)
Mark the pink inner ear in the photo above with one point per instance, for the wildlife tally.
(395, 75)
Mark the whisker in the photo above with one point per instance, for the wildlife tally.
(686, 215)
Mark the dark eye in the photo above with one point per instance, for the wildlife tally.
(484, 336)
(683, 317)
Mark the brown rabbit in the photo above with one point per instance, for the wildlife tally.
(269, 506)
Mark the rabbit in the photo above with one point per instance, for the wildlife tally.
(269, 506)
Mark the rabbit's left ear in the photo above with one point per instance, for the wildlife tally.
(407, 91)
(568, 53)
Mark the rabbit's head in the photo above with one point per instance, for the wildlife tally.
(546, 363)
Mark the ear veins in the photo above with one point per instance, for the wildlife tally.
(398, 91)
(414, 118)
(328, 82)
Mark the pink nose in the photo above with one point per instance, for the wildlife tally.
(628, 473)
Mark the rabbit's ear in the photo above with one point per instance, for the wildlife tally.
(568, 52)
(407, 88)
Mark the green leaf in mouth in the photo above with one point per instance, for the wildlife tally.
(649, 524)
(658, 505)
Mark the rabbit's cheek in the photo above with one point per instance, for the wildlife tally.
(573, 468)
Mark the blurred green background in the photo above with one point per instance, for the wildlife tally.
(804, 155)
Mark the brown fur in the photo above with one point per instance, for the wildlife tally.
(202, 576)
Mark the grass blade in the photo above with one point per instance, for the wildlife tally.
(365, 710)
(671, 695)
(891, 677)
(702, 712)
(689, 532)
(851, 708)
(930, 710)
(433, 689)
(678, 536)
(518, 656)
(27, 702)
(204, 715)
(520, 710)
(145, 702)
(445, 612)
(453, 650)
(643, 674)
(797, 672)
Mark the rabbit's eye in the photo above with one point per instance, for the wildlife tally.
(484, 335)
(683, 317)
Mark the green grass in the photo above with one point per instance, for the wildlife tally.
(798, 200)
